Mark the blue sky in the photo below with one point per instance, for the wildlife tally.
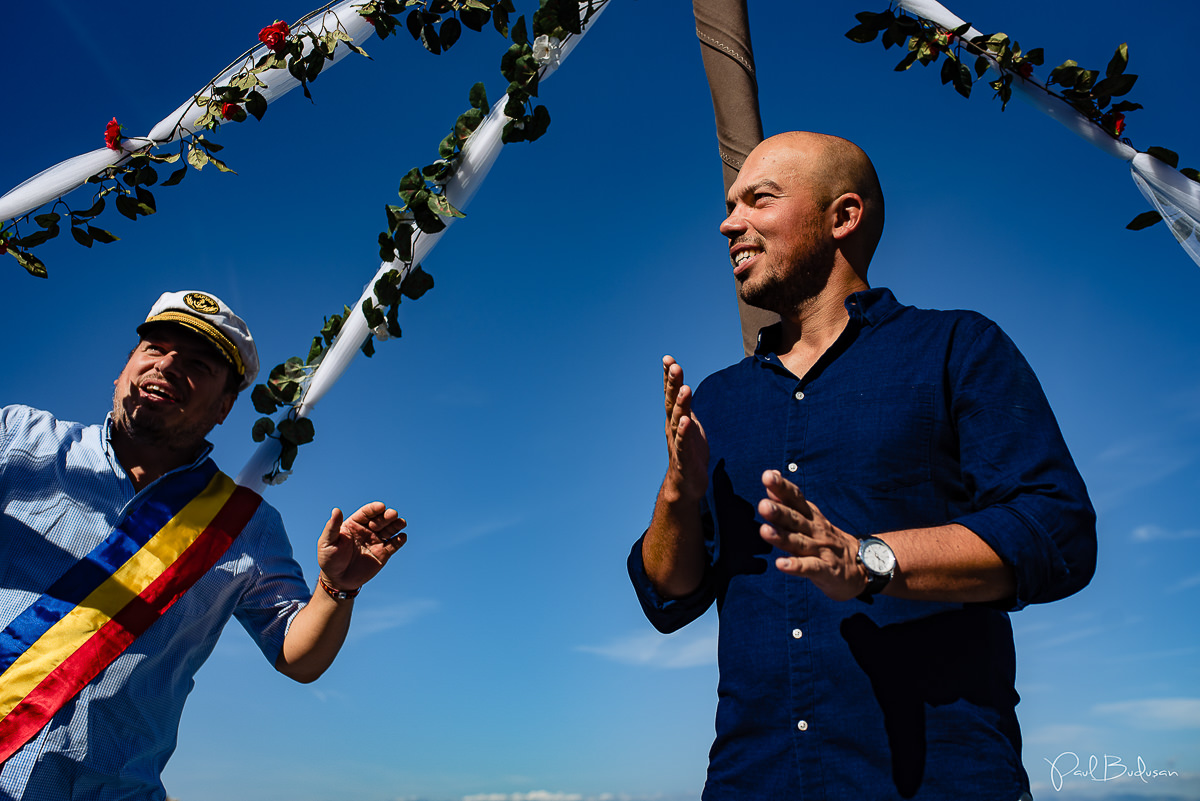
(517, 424)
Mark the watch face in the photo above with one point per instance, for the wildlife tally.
(878, 558)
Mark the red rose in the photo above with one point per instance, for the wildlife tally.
(1025, 68)
(112, 135)
(1118, 123)
(275, 36)
(230, 110)
(3, 247)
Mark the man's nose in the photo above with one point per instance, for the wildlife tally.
(732, 225)
(167, 362)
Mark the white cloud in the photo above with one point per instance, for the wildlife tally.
(1185, 584)
(1151, 533)
(536, 795)
(1058, 734)
(373, 620)
(692, 647)
(1159, 714)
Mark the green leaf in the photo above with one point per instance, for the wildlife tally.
(145, 201)
(36, 238)
(894, 35)
(387, 250)
(474, 18)
(906, 62)
(315, 351)
(196, 157)
(94, 211)
(32, 264)
(442, 206)
(287, 454)
(416, 283)
(263, 427)
(81, 236)
(47, 220)
(862, 34)
(450, 31)
(263, 400)
(1144, 220)
(101, 236)
(127, 206)
(221, 165)
(429, 38)
(1118, 62)
(500, 19)
(478, 97)
(520, 35)
(368, 347)
(256, 104)
(176, 176)
(1191, 172)
(1162, 154)
(540, 122)
(1115, 86)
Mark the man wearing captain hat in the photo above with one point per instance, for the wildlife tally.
(123, 553)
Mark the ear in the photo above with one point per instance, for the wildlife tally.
(847, 213)
(226, 404)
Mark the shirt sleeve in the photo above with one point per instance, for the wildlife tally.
(277, 591)
(668, 615)
(1028, 501)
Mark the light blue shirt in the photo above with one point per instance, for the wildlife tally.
(62, 491)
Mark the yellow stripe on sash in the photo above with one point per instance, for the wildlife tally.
(128, 582)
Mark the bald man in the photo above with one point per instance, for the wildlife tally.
(865, 499)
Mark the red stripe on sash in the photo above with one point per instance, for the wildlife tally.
(92, 657)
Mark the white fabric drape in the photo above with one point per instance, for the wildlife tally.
(1173, 194)
(73, 173)
(479, 154)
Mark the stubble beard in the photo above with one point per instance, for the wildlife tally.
(160, 431)
(786, 294)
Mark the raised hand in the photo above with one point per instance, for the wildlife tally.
(820, 551)
(687, 446)
(351, 552)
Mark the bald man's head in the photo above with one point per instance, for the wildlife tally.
(834, 167)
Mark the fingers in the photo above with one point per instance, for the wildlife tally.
(332, 527)
(783, 491)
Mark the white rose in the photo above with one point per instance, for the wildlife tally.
(381, 332)
(545, 49)
(277, 478)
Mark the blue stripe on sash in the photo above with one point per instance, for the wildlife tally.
(82, 578)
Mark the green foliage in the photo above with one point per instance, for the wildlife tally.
(1089, 93)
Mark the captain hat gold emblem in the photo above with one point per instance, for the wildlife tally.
(202, 303)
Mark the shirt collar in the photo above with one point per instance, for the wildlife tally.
(868, 307)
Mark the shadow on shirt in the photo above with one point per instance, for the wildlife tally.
(914, 665)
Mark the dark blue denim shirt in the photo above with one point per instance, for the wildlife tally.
(913, 418)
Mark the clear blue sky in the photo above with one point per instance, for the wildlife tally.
(517, 423)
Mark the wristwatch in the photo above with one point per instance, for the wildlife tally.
(880, 561)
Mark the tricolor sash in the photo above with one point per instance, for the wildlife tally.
(96, 609)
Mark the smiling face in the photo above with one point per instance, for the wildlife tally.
(779, 235)
(173, 390)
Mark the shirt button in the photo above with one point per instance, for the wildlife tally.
(799, 395)
(797, 634)
(802, 725)
(793, 467)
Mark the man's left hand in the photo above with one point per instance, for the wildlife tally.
(820, 551)
(350, 552)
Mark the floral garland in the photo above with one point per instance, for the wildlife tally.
(1083, 89)
(423, 207)
(437, 25)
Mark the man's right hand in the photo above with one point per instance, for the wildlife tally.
(687, 446)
